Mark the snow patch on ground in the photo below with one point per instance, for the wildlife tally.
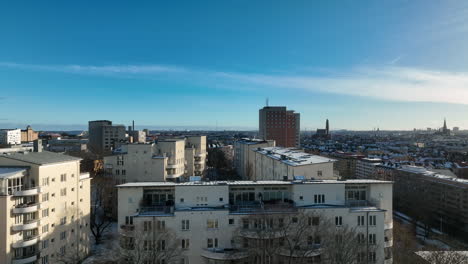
(107, 250)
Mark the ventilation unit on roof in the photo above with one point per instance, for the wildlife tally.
(194, 178)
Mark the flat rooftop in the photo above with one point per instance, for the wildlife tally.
(244, 183)
(6, 172)
(40, 158)
(251, 141)
(293, 156)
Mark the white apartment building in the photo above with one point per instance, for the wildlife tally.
(10, 136)
(219, 221)
(45, 208)
(243, 155)
(167, 160)
(277, 163)
(365, 168)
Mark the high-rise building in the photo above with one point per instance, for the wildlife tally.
(104, 137)
(29, 135)
(281, 125)
(45, 208)
(220, 221)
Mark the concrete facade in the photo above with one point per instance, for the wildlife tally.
(45, 205)
(105, 137)
(244, 156)
(190, 209)
(29, 135)
(10, 136)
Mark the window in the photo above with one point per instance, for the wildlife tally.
(147, 226)
(181, 200)
(45, 243)
(372, 220)
(63, 235)
(185, 224)
(372, 257)
(62, 250)
(45, 181)
(212, 243)
(231, 221)
(338, 220)
(185, 243)
(301, 198)
(319, 173)
(361, 257)
(360, 221)
(245, 223)
(45, 197)
(360, 238)
(212, 223)
(295, 219)
(45, 260)
(63, 220)
(63, 177)
(314, 221)
(319, 198)
(161, 225)
(221, 199)
(63, 192)
(45, 228)
(280, 222)
(45, 212)
(129, 220)
(372, 239)
(124, 172)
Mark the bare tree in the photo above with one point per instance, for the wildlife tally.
(299, 237)
(444, 257)
(150, 243)
(102, 203)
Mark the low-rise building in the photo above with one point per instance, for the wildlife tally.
(10, 136)
(365, 167)
(221, 221)
(166, 160)
(277, 163)
(244, 156)
(45, 208)
(67, 145)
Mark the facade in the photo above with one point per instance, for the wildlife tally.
(218, 222)
(137, 136)
(243, 155)
(45, 205)
(67, 145)
(365, 167)
(281, 125)
(167, 160)
(10, 136)
(277, 163)
(440, 200)
(105, 137)
(345, 164)
(29, 135)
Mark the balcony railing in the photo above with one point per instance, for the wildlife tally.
(156, 210)
(360, 203)
(246, 208)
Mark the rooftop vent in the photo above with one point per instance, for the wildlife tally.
(195, 178)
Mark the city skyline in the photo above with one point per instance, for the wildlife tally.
(200, 66)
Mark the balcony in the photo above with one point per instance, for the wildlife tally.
(223, 254)
(27, 225)
(308, 252)
(360, 203)
(156, 210)
(28, 192)
(25, 259)
(26, 208)
(261, 207)
(26, 242)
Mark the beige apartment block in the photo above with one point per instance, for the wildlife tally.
(244, 156)
(45, 205)
(208, 218)
(276, 163)
(167, 160)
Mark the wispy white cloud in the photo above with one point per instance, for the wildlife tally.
(385, 82)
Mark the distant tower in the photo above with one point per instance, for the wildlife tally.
(327, 127)
(445, 125)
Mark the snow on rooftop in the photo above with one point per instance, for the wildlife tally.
(233, 183)
(292, 156)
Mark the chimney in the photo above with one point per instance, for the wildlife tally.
(37, 145)
(133, 125)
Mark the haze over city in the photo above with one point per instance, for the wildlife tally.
(206, 65)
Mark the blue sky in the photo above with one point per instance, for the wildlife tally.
(396, 64)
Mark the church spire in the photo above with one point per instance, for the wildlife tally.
(327, 127)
